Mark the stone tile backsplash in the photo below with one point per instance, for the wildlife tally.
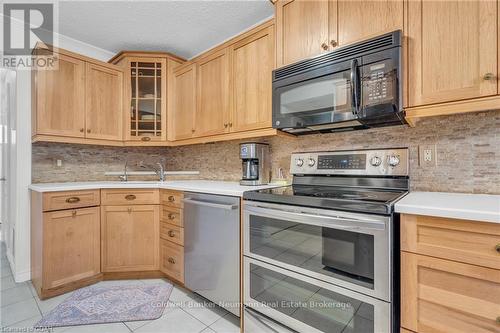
(468, 154)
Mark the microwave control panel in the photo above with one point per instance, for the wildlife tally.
(378, 83)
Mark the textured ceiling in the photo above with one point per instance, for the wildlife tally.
(185, 28)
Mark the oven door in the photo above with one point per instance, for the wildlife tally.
(347, 249)
(325, 95)
(308, 305)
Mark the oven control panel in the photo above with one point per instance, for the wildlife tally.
(381, 162)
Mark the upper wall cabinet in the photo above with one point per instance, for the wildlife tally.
(305, 28)
(146, 94)
(104, 103)
(79, 102)
(358, 20)
(212, 111)
(59, 101)
(252, 66)
(452, 50)
(182, 103)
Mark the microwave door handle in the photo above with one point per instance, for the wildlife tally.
(355, 86)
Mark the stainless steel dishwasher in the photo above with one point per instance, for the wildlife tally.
(212, 248)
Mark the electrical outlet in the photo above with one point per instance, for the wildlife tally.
(427, 155)
(58, 163)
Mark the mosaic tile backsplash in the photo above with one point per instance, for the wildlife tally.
(468, 154)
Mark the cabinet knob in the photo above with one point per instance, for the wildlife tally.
(324, 46)
(171, 198)
(225, 125)
(73, 213)
(333, 43)
(88, 130)
(171, 233)
(81, 130)
(193, 130)
(146, 138)
(497, 248)
(230, 124)
(171, 216)
(129, 210)
(171, 260)
(130, 197)
(489, 76)
(73, 200)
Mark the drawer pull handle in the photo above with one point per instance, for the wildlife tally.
(171, 233)
(497, 248)
(73, 200)
(171, 216)
(130, 197)
(146, 138)
(171, 260)
(171, 198)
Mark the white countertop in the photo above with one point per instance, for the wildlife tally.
(478, 207)
(200, 186)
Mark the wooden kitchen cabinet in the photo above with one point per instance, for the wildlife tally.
(59, 99)
(212, 110)
(79, 102)
(452, 51)
(252, 66)
(104, 103)
(146, 98)
(447, 296)
(130, 238)
(65, 244)
(303, 29)
(182, 97)
(358, 20)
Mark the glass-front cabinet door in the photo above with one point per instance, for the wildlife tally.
(147, 113)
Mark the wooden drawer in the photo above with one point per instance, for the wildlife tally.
(446, 296)
(70, 199)
(172, 260)
(172, 233)
(130, 197)
(472, 242)
(171, 215)
(171, 198)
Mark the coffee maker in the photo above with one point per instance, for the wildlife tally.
(255, 163)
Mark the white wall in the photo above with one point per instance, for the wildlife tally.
(20, 159)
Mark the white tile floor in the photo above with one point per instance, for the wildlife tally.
(185, 313)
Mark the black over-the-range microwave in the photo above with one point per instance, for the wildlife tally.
(353, 87)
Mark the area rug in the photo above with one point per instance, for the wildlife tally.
(109, 304)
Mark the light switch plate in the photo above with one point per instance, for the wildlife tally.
(427, 156)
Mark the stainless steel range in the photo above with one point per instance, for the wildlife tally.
(322, 255)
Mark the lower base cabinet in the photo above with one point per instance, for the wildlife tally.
(172, 260)
(130, 238)
(443, 295)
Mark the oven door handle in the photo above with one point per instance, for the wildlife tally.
(355, 86)
(325, 220)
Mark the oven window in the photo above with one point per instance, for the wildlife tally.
(317, 307)
(327, 252)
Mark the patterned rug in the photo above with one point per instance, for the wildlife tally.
(98, 305)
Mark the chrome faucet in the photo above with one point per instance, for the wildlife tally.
(158, 168)
(124, 177)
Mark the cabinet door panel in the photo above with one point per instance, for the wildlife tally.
(211, 116)
(183, 102)
(130, 238)
(71, 246)
(60, 101)
(302, 26)
(452, 45)
(253, 60)
(445, 296)
(104, 98)
(358, 20)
